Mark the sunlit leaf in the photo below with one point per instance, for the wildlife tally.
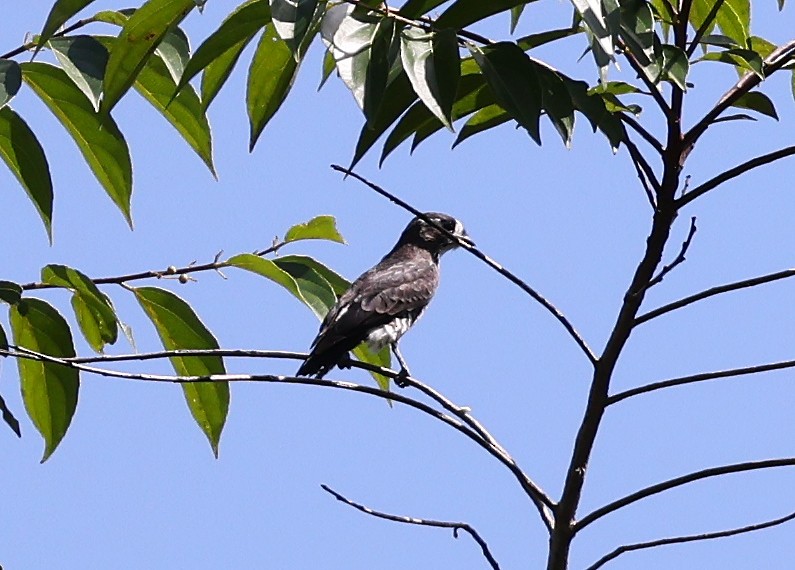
(513, 78)
(139, 37)
(319, 227)
(60, 12)
(743, 59)
(292, 20)
(270, 77)
(593, 17)
(432, 64)
(84, 59)
(24, 156)
(10, 80)
(674, 65)
(97, 136)
(95, 314)
(179, 327)
(462, 13)
(49, 390)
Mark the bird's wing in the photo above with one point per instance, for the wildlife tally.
(387, 290)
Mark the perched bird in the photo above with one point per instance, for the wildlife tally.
(385, 301)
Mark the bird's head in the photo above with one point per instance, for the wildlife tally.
(425, 235)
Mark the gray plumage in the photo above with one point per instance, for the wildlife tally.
(385, 301)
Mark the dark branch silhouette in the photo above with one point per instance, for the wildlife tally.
(455, 526)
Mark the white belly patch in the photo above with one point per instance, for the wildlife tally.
(386, 334)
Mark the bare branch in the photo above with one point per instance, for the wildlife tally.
(688, 538)
(455, 526)
(679, 259)
(486, 259)
(744, 284)
(541, 500)
(705, 25)
(678, 482)
(641, 130)
(31, 45)
(645, 174)
(733, 173)
(169, 272)
(654, 91)
(772, 63)
(702, 377)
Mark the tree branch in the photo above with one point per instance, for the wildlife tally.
(702, 377)
(484, 258)
(641, 130)
(744, 284)
(541, 500)
(645, 174)
(679, 259)
(650, 85)
(688, 538)
(678, 482)
(31, 45)
(456, 526)
(703, 28)
(772, 63)
(734, 173)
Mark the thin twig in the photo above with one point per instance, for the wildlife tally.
(654, 91)
(705, 25)
(679, 259)
(645, 173)
(702, 377)
(772, 63)
(162, 274)
(734, 173)
(688, 538)
(483, 257)
(744, 284)
(641, 130)
(543, 503)
(31, 45)
(455, 526)
(678, 482)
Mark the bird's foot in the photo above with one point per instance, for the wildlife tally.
(402, 379)
(346, 362)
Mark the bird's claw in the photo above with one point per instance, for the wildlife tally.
(346, 362)
(402, 379)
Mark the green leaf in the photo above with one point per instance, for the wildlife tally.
(84, 59)
(49, 390)
(557, 103)
(593, 106)
(95, 314)
(637, 31)
(10, 80)
(292, 19)
(718, 40)
(180, 328)
(743, 59)
(10, 292)
(516, 13)
(139, 37)
(222, 48)
(593, 17)
(433, 66)
(757, 101)
(414, 8)
(487, 118)
(513, 78)
(319, 227)
(462, 13)
(174, 49)
(97, 136)
(674, 65)
(535, 40)
(734, 19)
(21, 151)
(270, 77)
(329, 65)
(8, 416)
(380, 61)
(761, 46)
(60, 12)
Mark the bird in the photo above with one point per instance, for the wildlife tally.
(382, 304)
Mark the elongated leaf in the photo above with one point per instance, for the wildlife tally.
(337, 282)
(594, 18)
(557, 102)
(22, 153)
(60, 12)
(319, 227)
(637, 31)
(414, 8)
(433, 66)
(8, 416)
(10, 80)
(516, 13)
(513, 78)
(534, 40)
(487, 118)
(179, 328)
(84, 59)
(224, 45)
(139, 37)
(95, 314)
(743, 59)
(270, 78)
(174, 49)
(292, 20)
(10, 292)
(97, 136)
(49, 390)
(3, 340)
(675, 65)
(734, 20)
(593, 106)
(378, 66)
(757, 101)
(329, 65)
(462, 13)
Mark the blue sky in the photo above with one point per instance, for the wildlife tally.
(134, 483)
